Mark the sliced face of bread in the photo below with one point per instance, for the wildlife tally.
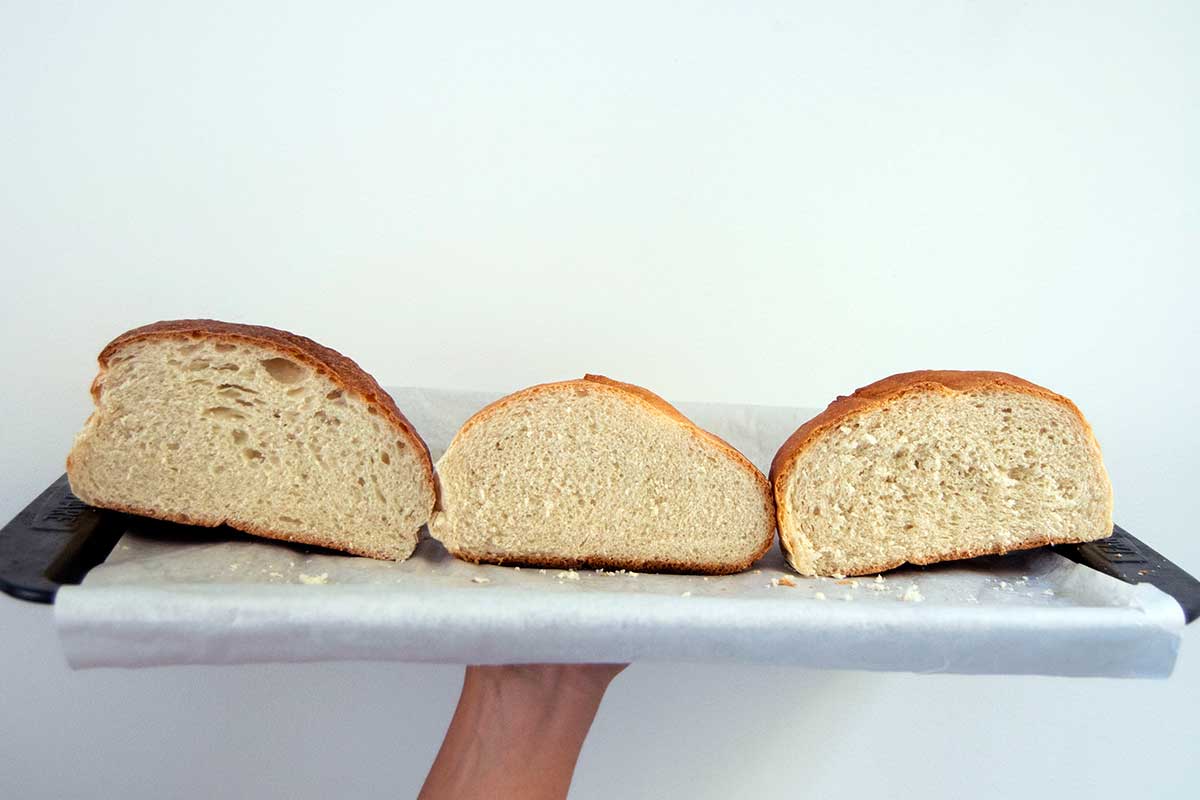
(211, 423)
(937, 465)
(598, 473)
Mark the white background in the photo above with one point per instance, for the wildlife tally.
(752, 202)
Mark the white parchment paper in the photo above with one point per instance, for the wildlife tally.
(222, 598)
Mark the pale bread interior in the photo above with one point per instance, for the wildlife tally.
(933, 476)
(216, 431)
(583, 474)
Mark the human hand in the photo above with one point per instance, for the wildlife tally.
(518, 730)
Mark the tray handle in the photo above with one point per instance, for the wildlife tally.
(55, 541)
(1129, 559)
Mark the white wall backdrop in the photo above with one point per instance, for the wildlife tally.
(754, 202)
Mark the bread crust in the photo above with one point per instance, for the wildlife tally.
(343, 371)
(658, 405)
(255, 530)
(883, 393)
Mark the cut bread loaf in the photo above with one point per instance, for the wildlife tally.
(211, 423)
(937, 465)
(598, 473)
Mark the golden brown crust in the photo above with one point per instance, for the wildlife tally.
(657, 404)
(332, 364)
(881, 394)
(884, 392)
(338, 368)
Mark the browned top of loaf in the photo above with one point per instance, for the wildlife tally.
(883, 392)
(628, 390)
(330, 363)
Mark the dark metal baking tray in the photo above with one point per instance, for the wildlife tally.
(57, 539)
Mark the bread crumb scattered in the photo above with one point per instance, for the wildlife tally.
(542, 571)
(1049, 593)
(913, 595)
(819, 596)
(477, 579)
(787, 582)
(517, 567)
(758, 572)
(568, 574)
(837, 576)
(686, 594)
(275, 574)
(848, 582)
(234, 567)
(879, 579)
(311, 579)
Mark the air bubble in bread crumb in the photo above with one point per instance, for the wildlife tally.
(312, 580)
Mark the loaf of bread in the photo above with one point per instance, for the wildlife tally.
(212, 423)
(937, 465)
(598, 473)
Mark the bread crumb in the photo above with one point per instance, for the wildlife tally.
(786, 582)
(477, 579)
(848, 597)
(913, 595)
(1049, 593)
(517, 567)
(758, 572)
(837, 576)
(819, 596)
(879, 579)
(686, 594)
(234, 567)
(275, 574)
(312, 579)
(542, 571)
(568, 574)
(848, 582)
